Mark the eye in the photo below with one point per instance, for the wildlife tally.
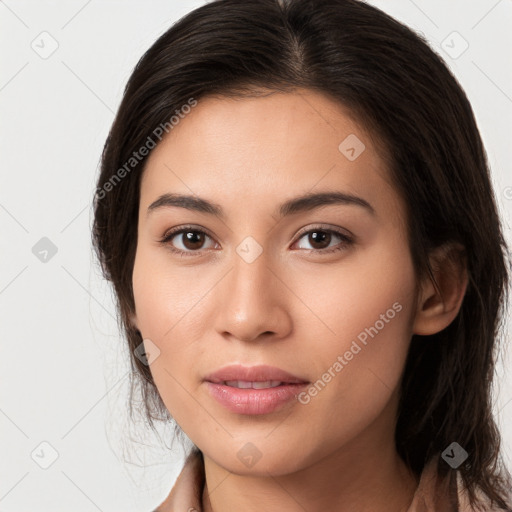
(191, 240)
(321, 238)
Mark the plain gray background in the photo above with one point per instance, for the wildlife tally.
(64, 367)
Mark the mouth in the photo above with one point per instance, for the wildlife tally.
(253, 390)
(242, 384)
(256, 377)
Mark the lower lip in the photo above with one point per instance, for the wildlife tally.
(254, 401)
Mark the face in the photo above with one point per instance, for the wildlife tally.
(291, 252)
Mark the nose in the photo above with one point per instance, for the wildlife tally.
(253, 302)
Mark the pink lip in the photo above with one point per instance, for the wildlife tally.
(253, 401)
(260, 373)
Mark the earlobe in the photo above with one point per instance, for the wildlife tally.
(439, 305)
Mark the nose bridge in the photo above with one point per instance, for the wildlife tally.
(253, 302)
(251, 276)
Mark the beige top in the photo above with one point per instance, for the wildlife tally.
(432, 495)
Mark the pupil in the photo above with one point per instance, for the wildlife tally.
(319, 237)
(193, 238)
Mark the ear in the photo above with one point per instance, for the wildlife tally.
(438, 306)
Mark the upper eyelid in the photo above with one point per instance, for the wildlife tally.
(319, 227)
(180, 230)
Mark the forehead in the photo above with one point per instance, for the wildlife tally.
(260, 149)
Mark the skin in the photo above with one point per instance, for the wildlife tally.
(292, 307)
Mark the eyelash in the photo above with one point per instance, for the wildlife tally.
(169, 235)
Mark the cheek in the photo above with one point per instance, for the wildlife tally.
(166, 296)
(352, 295)
(169, 305)
(371, 313)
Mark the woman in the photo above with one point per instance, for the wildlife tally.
(295, 211)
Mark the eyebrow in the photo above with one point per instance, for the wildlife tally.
(306, 202)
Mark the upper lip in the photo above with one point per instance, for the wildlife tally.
(259, 373)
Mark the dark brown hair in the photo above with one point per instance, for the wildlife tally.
(391, 80)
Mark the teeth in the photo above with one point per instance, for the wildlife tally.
(242, 384)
